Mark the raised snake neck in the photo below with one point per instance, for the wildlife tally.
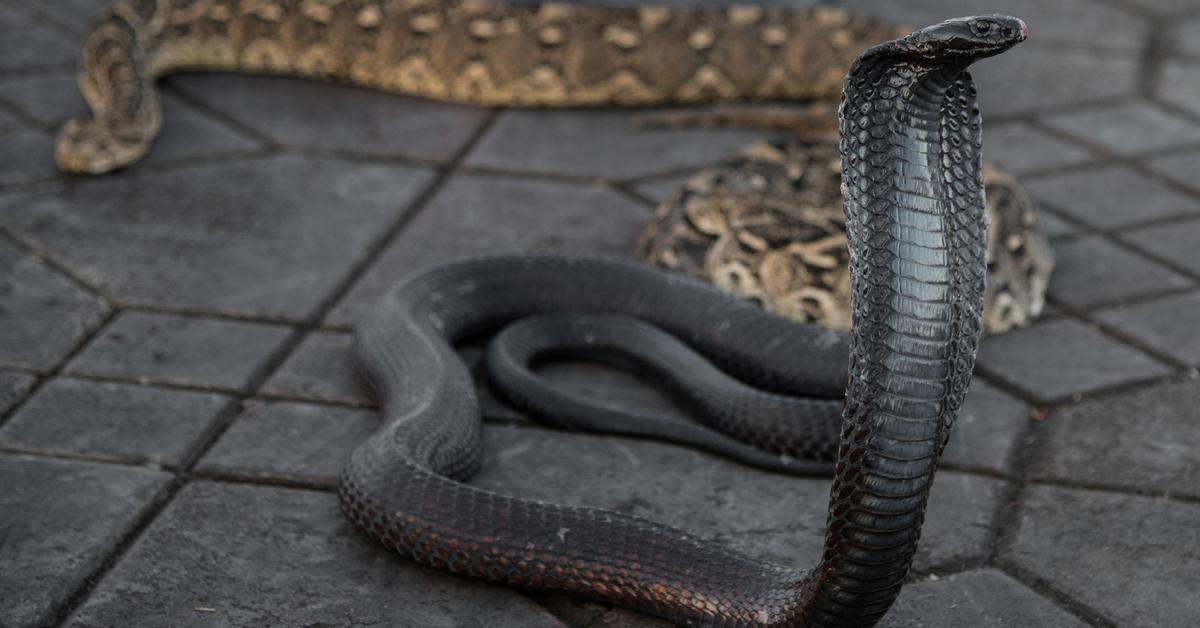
(915, 219)
(476, 51)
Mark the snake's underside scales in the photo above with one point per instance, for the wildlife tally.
(913, 191)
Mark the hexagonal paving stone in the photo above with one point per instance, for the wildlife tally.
(1149, 439)
(320, 369)
(478, 214)
(114, 421)
(1183, 168)
(1110, 196)
(61, 519)
(297, 112)
(986, 598)
(76, 15)
(1185, 36)
(44, 315)
(1129, 128)
(1174, 242)
(267, 237)
(1032, 77)
(239, 555)
(289, 441)
(1091, 271)
(1132, 558)
(768, 516)
(599, 144)
(1166, 325)
(28, 157)
(1019, 148)
(13, 386)
(1180, 84)
(987, 429)
(25, 44)
(143, 346)
(1058, 358)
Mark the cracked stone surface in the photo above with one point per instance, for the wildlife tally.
(320, 369)
(1129, 128)
(1149, 439)
(295, 561)
(119, 421)
(263, 237)
(1165, 325)
(43, 315)
(1091, 271)
(71, 515)
(176, 395)
(385, 125)
(1111, 196)
(165, 348)
(1067, 536)
(1058, 358)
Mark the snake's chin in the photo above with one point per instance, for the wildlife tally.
(86, 147)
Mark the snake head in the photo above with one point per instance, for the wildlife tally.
(971, 38)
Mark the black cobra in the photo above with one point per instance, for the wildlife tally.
(915, 217)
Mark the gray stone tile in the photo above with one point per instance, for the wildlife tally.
(1131, 558)
(1166, 325)
(1165, 7)
(480, 214)
(171, 349)
(1109, 197)
(320, 369)
(1059, 22)
(114, 421)
(25, 44)
(988, 428)
(236, 555)
(1174, 242)
(187, 133)
(1032, 77)
(1019, 148)
(13, 387)
(77, 15)
(1148, 438)
(289, 441)
(269, 237)
(60, 520)
(1179, 84)
(599, 144)
(732, 504)
(1057, 227)
(44, 315)
(1091, 270)
(1183, 168)
(297, 112)
(985, 598)
(1058, 358)
(26, 156)
(1129, 128)
(659, 190)
(1185, 36)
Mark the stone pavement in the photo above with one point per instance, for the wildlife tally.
(175, 399)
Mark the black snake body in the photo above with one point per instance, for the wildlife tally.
(915, 218)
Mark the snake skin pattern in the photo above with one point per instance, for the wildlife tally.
(914, 202)
(472, 51)
(769, 226)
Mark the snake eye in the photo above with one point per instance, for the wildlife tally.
(981, 27)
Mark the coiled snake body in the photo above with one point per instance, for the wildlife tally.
(915, 218)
